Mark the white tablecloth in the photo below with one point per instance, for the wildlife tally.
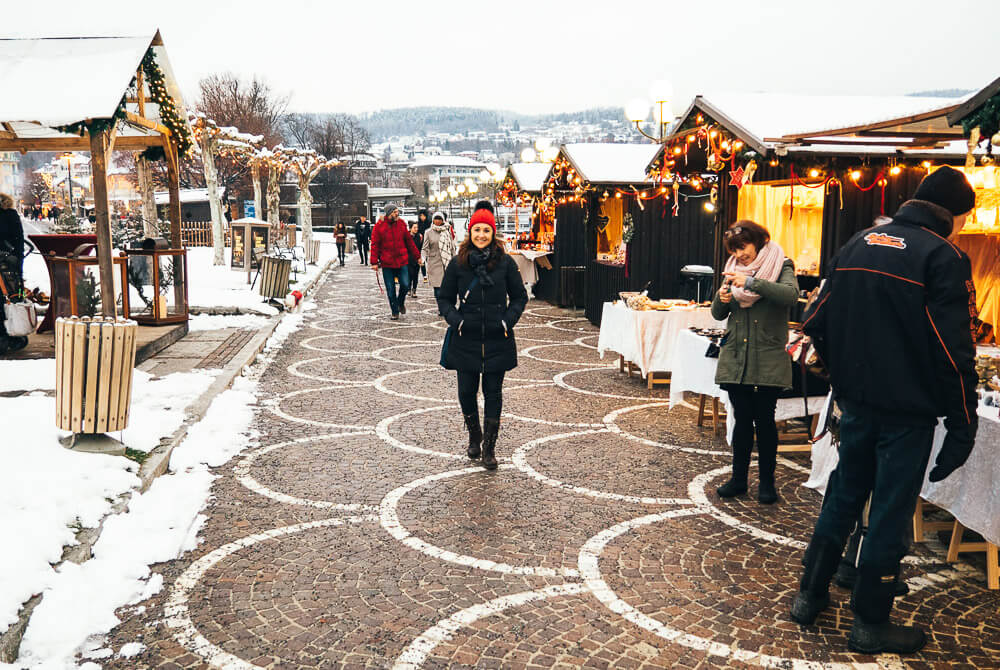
(695, 373)
(971, 494)
(648, 338)
(525, 260)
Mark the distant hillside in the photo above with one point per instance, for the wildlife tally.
(415, 120)
(942, 93)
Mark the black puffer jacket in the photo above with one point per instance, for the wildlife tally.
(11, 232)
(894, 319)
(482, 326)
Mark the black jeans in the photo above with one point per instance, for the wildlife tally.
(468, 387)
(888, 462)
(389, 276)
(414, 276)
(363, 251)
(340, 251)
(753, 410)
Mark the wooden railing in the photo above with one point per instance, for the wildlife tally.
(196, 233)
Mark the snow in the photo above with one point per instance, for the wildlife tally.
(214, 436)
(220, 286)
(220, 321)
(530, 176)
(612, 163)
(158, 405)
(109, 64)
(28, 375)
(36, 275)
(767, 115)
(185, 195)
(131, 649)
(446, 161)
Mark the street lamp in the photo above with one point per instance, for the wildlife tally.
(637, 111)
(69, 177)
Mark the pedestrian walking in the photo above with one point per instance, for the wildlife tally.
(437, 249)
(11, 237)
(892, 322)
(392, 251)
(415, 267)
(424, 222)
(340, 237)
(362, 237)
(486, 285)
(757, 295)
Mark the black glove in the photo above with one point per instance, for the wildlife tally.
(958, 443)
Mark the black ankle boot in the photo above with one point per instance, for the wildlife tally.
(475, 435)
(491, 428)
(732, 488)
(766, 493)
(872, 632)
(847, 575)
(821, 560)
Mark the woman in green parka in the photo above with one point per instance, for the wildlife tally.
(757, 296)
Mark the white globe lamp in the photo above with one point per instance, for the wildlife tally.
(637, 110)
(528, 155)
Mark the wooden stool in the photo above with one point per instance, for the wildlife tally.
(921, 526)
(652, 380)
(958, 546)
(796, 447)
(718, 419)
(627, 367)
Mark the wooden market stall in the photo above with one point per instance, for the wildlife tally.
(534, 230)
(614, 220)
(126, 100)
(815, 189)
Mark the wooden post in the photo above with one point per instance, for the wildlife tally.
(174, 189)
(99, 150)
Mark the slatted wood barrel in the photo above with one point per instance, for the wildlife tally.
(274, 274)
(94, 363)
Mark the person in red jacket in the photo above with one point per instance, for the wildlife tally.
(392, 250)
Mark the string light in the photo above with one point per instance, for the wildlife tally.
(855, 174)
(814, 173)
(895, 170)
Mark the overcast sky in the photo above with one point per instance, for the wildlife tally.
(541, 56)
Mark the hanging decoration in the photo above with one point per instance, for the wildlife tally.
(736, 177)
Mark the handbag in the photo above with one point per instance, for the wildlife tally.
(451, 329)
(20, 318)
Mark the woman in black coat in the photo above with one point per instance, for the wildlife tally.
(11, 235)
(487, 286)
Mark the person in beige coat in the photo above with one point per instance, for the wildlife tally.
(437, 249)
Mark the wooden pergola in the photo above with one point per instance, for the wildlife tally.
(109, 93)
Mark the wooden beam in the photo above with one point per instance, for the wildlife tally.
(174, 189)
(99, 152)
(123, 143)
(148, 124)
(141, 97)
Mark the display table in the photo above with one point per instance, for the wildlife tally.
(648, 338)
(526, 260)
(695, 373)
(971, 494)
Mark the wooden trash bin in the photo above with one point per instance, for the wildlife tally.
(274, 273)
(94, 363)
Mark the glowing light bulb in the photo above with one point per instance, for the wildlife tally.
(618, 195)
(895, 170)
(677, 151)
(709, 207)
(855, 174)
(926, 165)
(690, 138)
(814, 173)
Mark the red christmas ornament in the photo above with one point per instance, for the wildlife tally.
(736, 177)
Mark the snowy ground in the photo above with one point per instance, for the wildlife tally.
(80, 601)
(210, 285)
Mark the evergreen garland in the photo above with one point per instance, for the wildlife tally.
(629, 231)
(987, 118)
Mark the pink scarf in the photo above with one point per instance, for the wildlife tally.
(766, 266)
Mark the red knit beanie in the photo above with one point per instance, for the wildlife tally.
(483, 216)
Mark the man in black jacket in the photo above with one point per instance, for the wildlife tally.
(893, 322)
(363, 237)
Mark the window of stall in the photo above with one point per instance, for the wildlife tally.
(793, 216)
(610, 212)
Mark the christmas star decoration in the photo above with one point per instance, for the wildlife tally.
(736, 177)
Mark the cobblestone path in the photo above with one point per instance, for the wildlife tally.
(354, 533)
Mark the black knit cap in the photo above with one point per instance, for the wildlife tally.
(948, 188)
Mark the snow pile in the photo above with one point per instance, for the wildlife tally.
(46, 492)
(220, 321)
(28, 375)
(158, 405)
(79, 605)
(220, 286)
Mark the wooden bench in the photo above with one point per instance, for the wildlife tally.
(959, 546)
(652, 379)
(921, 525)
(718, 418)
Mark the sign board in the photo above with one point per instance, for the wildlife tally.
(260, 238)
(239, 247)
(249, 210)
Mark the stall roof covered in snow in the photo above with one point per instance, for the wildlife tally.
(530, 177)
(388, 193)
(611, 163)
(759, 119)
(103, 69)
(446, 161)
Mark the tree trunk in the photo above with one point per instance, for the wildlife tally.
(273, 196)
(208, 147)
(305, 212)
(150, 227)
(257, 200)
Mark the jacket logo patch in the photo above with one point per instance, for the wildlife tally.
(883, 240)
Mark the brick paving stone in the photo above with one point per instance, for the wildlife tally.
(354, 537)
